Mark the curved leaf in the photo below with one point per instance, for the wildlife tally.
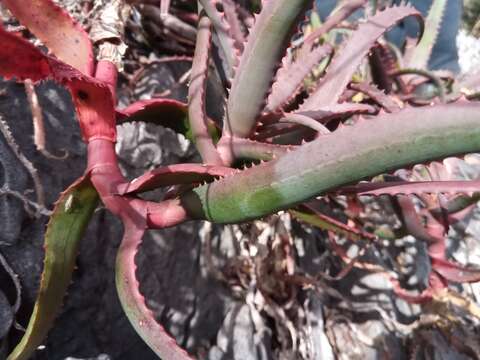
(132, 300)
(345, 63)
(414, 187)
(196, 93)
(174, 175)
(28, 62)
(455, 272)
(92, 98)
(57, 30)
(169, 113)
(264, 49)
(65, 229)
(349, 154)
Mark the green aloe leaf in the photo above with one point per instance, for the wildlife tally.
(66, 227)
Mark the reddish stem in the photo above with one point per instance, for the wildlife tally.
(107, 72)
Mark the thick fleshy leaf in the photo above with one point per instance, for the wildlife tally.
(349, 57)
(92, 98)
(197, 112)
(174, 112)
(65, 229)
(57, 30)
(271, 125)
(349, 154)
(133, 303)
(169, 113)
(304, 120)
(174, 175)
(95, 109)
(136, 215)
(20, 59)
(265, 47)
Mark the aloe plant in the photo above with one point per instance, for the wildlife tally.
(302, 139)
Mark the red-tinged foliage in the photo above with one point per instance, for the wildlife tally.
(93, 91)
(57, 30)
(413, 187)
(31, 64)
(92, 98)
(455, 272)
(94, 104)
(174, 175)
(152, 109)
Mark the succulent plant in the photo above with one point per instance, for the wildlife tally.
(301, 136)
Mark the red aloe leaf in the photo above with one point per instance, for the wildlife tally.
(150, 110)
(174, 175)
(352, 53)
(169, 113)
(196, 93)
(271, 125)
(92, 98)
(28, 62)
(294, 133)
(455, 272)
(57, 30)
(414, 187)
(134, 215)
(290, 77)
(21, 59)
(94, 103)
